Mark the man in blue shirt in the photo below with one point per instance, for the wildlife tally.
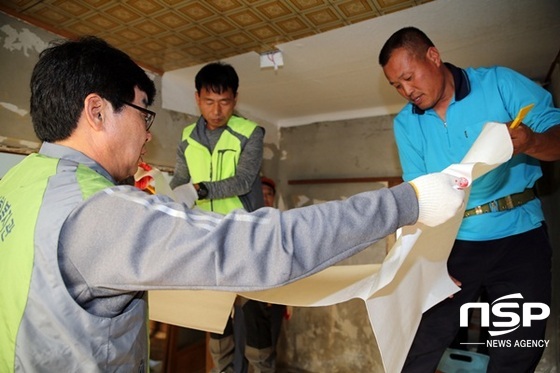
(502, 246)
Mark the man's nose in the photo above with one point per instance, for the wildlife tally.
(407, 89)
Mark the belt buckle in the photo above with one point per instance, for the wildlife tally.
(493, 206)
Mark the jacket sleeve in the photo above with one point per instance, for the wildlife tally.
(122, 240)
(181, 175)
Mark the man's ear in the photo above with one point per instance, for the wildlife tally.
(432, 54)
(94, 110)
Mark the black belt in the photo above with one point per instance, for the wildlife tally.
(502, 204)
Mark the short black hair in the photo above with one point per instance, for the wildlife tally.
(68, 71)
(217, 77)
(411, 38)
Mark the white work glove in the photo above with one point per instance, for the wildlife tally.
(439, 197)
(186, 194)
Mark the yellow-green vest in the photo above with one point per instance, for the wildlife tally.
(220, 164)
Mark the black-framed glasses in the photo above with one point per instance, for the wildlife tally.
(149, 115)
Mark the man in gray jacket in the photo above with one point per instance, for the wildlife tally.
(78, 253)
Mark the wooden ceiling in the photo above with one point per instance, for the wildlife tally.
(165, 35)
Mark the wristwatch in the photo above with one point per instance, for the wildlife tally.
(202, 191)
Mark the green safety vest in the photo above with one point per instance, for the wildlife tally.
(220, 164)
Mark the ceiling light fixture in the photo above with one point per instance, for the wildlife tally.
(272, 59)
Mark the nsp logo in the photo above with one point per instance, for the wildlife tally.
(530, 311)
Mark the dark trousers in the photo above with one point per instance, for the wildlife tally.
(515, 264)
(262, 322)
(228, 349)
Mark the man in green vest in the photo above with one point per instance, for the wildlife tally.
(78, 252)
(221, 156)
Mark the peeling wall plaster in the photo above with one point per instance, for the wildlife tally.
(20, 48)
(14, 108)
(8, 141)
(24, 40)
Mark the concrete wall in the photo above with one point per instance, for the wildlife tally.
(336, 338)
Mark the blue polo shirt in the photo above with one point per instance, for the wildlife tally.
(428, 144)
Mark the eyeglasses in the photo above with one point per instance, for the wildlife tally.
(149, 115)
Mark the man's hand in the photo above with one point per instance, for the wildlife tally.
(440, 196)
(186, 194)
(521, 137)
(542, 146)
